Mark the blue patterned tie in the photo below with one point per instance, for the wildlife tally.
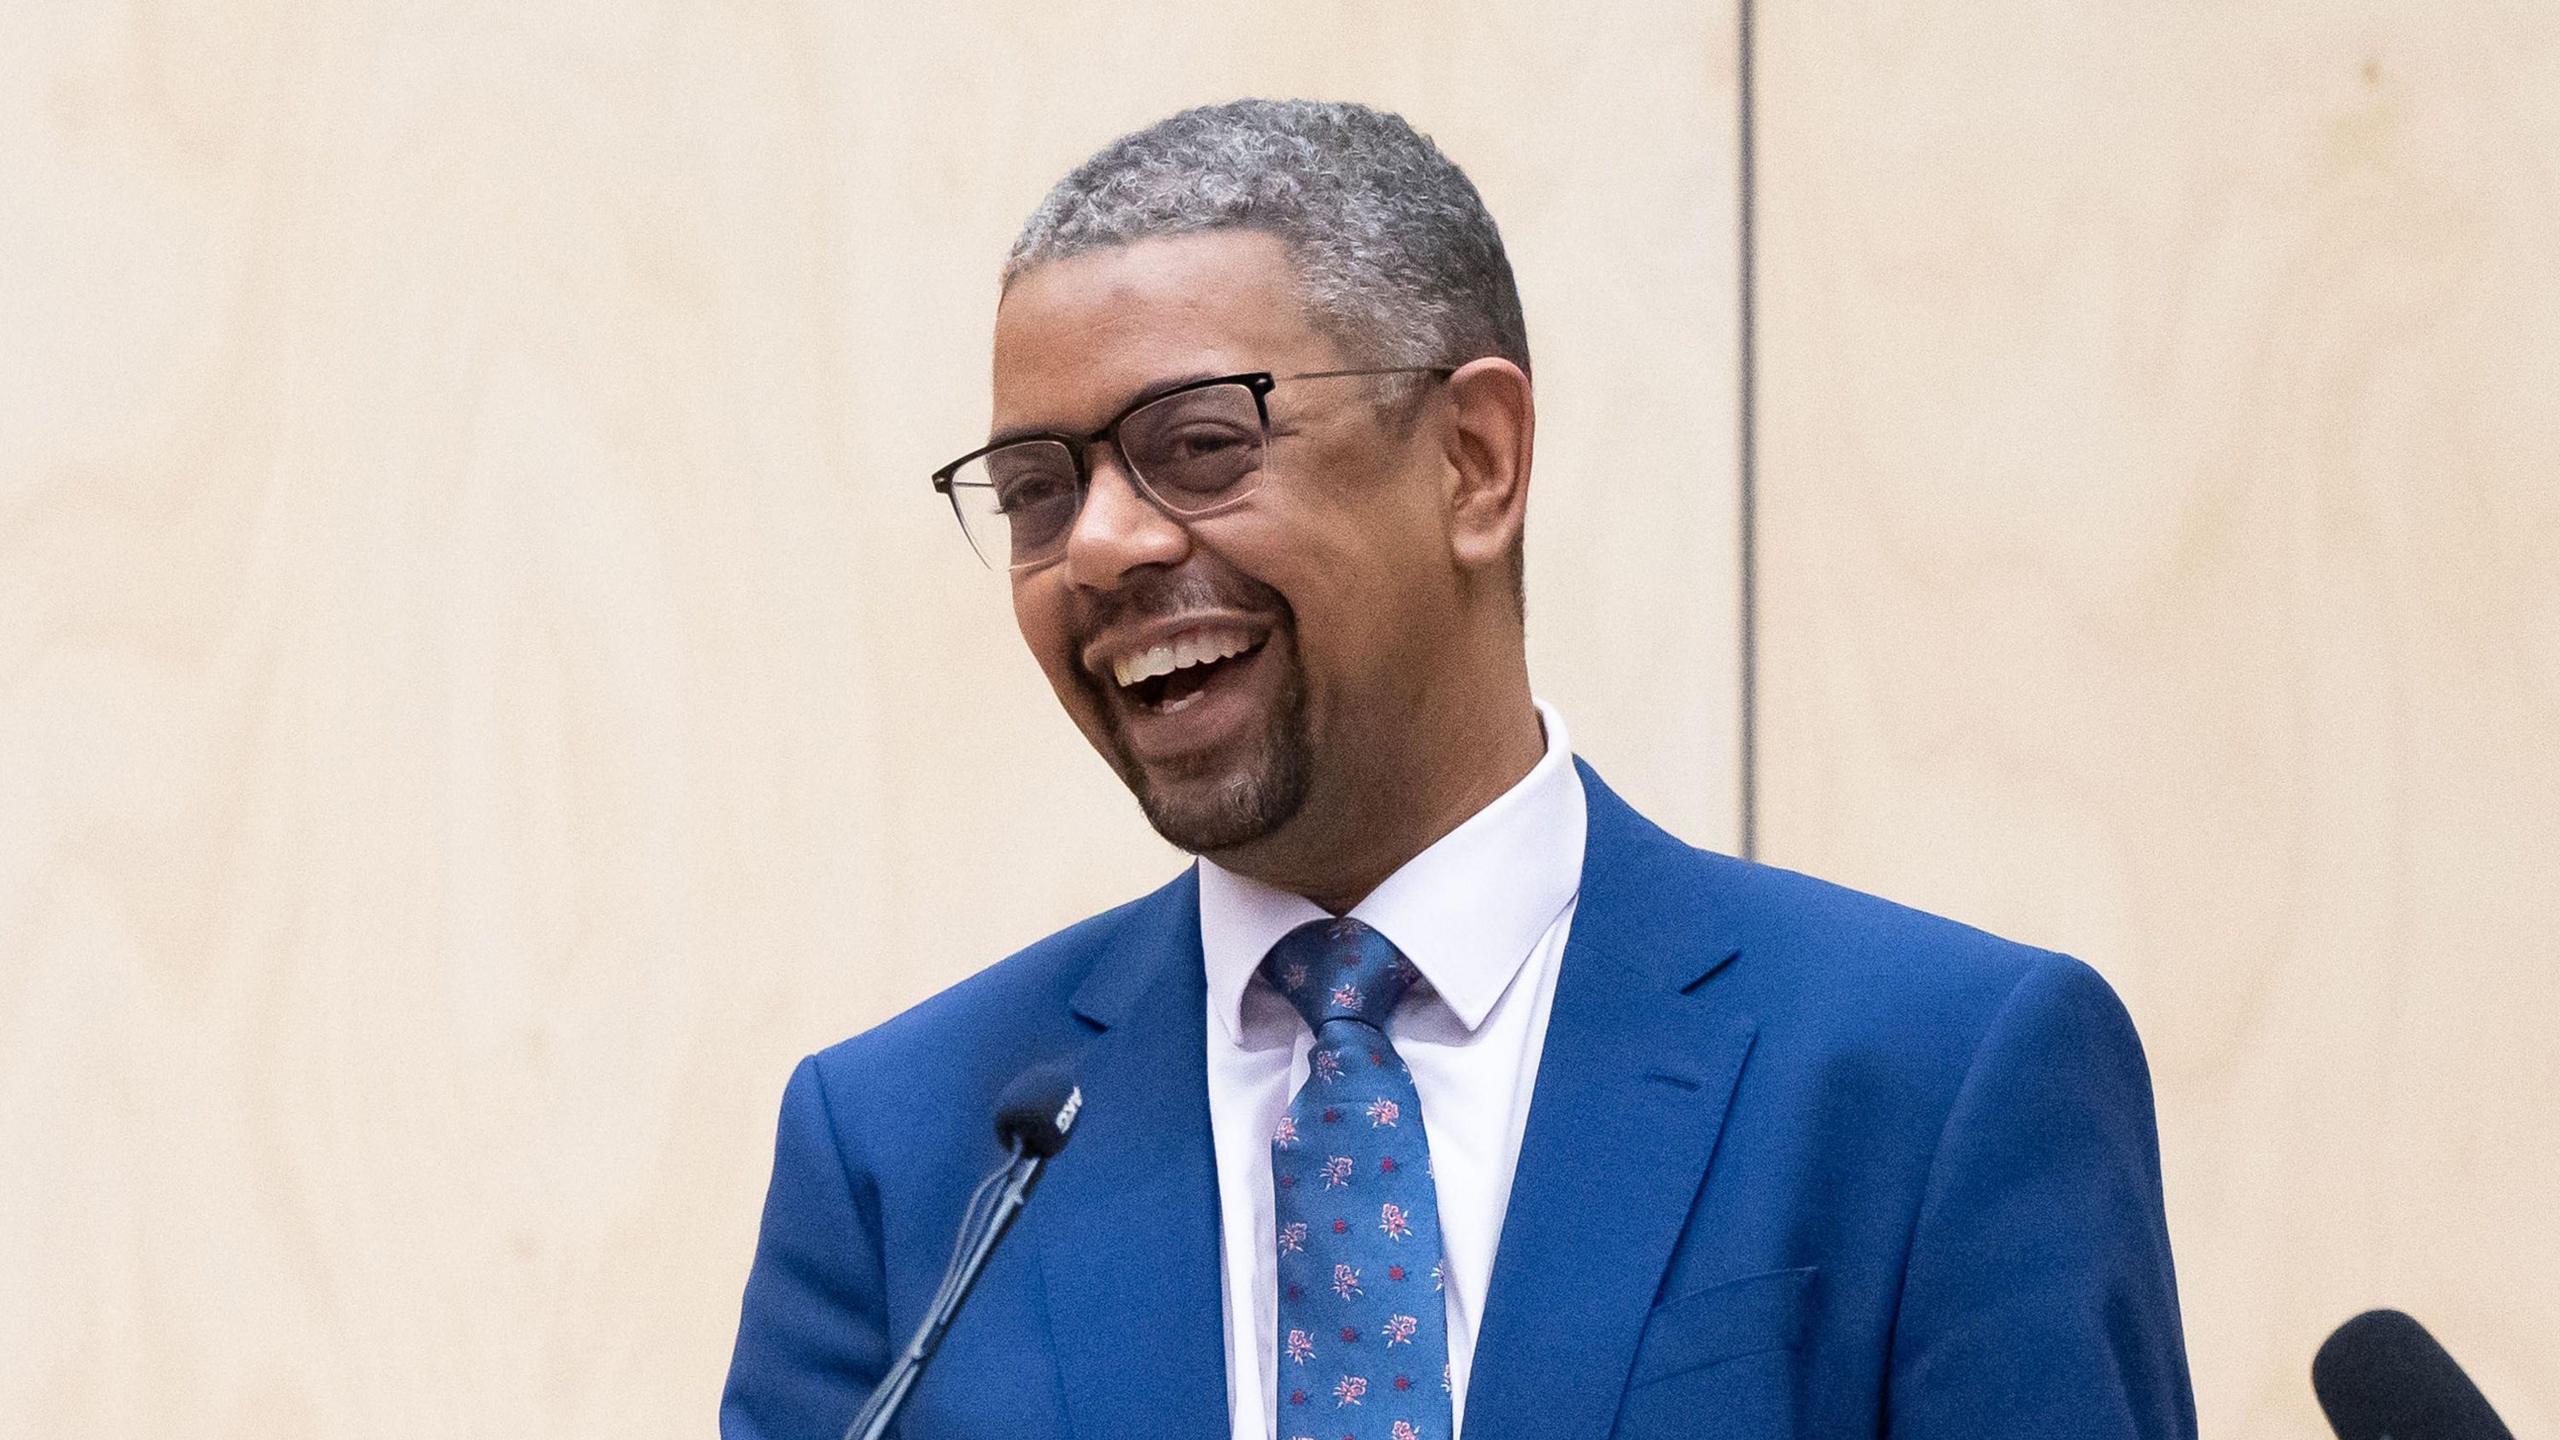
(1364, 1343)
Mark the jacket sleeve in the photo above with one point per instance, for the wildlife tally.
(812, 1333)
(2039, 1298)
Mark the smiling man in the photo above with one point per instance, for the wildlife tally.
(1444, 1091)
(1310, 681)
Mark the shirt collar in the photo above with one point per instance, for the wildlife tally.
(1466, 911)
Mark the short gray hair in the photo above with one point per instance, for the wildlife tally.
(1395, 254)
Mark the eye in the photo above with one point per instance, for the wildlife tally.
(1203, 442)
(1034, 490)
(1199, 460)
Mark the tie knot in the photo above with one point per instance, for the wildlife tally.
(1339, 970)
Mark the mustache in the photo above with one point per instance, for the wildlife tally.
(1171, 596)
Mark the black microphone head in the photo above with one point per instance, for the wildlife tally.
(2381, 1376)
(1038, 1110)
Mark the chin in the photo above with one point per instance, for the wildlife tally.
(1228, 800)
(1211, 816)
(1222, 807)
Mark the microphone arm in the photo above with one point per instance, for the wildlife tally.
(1035, 1117)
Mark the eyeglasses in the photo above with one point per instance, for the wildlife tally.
(1192, 449)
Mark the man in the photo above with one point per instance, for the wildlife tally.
(1444, 1090)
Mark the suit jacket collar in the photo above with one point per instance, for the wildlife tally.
(1631, 1093)
(1638, 1070)
(1649, 891)
(1127, 1217)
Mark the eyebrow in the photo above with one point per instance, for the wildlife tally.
(1154, 390)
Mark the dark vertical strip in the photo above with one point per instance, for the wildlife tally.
(1749, 570)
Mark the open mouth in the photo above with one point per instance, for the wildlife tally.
(1167, 678)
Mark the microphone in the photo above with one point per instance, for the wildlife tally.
(1034, 1116)
(1037, 1110)
(2381, 1376)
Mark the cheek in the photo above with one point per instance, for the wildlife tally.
(1355, 570)
(1042, 621)
(1354, 632)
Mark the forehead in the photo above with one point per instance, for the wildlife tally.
(1077, 339)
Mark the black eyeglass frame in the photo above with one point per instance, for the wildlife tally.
(1260, 382)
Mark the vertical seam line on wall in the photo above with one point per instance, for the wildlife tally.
(1747, 434)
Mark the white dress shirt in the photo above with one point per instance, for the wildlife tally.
(1483, 915)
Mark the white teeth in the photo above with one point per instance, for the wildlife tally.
(1193, 647)
(1146, 665)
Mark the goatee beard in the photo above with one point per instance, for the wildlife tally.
(1204, 811)
(1205, 814)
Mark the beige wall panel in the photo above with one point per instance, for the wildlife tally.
(483, 682)
(2161, 559)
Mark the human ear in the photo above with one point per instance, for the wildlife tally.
(1493, 420)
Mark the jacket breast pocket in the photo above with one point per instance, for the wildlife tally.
(1721, 1362)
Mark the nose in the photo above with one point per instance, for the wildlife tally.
(1119, 529)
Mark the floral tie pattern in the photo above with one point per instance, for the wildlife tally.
(1364, 1344)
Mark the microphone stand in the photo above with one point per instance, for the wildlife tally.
(968, 1258)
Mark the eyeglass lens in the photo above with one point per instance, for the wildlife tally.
(1191, 451)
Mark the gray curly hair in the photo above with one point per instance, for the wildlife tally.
(1395, 255)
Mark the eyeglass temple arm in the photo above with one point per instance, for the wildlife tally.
(1443, 371)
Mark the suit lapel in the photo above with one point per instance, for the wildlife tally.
(1632, 1088)
(1128, 1215)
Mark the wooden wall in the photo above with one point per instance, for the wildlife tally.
(2160, 559)
(484, 685)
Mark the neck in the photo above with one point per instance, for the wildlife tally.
(1386, 814)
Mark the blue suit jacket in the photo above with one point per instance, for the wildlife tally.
(1798, 1162)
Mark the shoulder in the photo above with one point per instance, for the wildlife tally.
(1828, 934)
(963, 1045)
(1826, 966)
(1829, 957)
